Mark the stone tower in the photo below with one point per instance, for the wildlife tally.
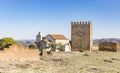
(39, 37)
(81, 36)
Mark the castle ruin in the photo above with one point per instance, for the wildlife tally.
(81, 36)
(109, 46)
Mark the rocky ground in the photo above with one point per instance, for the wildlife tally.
(24, 60)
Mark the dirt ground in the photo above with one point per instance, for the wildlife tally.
(19, 59)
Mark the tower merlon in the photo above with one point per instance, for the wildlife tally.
(82, 22)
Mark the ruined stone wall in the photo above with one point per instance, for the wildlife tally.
(108, 46)
(118, 47)
(81, 36)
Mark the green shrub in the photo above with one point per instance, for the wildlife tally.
(33, 46)
(6, 41)
(81, 50)
(59, 47)
(53, 46)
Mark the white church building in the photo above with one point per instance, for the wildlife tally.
(55, 38)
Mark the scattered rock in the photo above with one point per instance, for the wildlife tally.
(94, 68)
(57, 60)
(108, 61)
(115, 59)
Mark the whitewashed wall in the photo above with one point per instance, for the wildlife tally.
(61, 41)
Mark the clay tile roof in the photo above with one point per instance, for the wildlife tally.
(58, 37)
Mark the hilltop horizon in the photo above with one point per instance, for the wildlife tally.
(63, 34)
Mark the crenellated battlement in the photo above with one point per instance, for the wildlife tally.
(84, 22)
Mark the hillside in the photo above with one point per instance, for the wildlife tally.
(18, 52)
(107, 39)
(19, 59)
(25, 42)
(28, 42)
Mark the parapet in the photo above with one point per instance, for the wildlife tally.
(84, 22)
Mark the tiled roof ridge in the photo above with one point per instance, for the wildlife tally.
(58, 36)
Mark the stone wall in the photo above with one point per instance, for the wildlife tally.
(118, 47)
(109, 46)
(81, 36)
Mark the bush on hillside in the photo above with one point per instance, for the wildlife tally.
(33, 46)
(6, 42)
(53, 46)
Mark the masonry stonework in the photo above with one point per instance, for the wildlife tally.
(81, 36)
(109, 46)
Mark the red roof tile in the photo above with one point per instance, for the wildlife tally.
(58, 37)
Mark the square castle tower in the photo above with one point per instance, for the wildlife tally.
(81, 36)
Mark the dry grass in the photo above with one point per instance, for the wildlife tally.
(19, 59)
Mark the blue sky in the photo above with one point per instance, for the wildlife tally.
(23, 19)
